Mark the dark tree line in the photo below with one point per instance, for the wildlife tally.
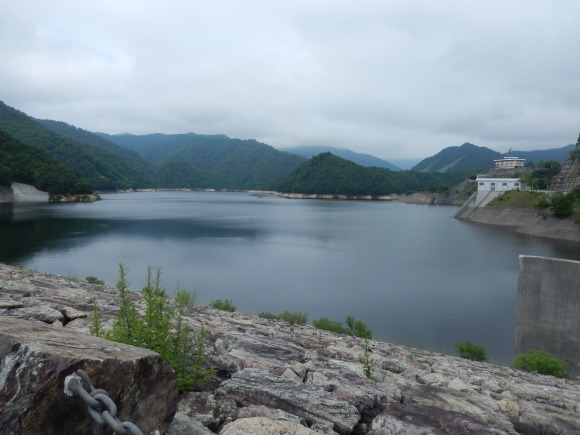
(28, 164)
(329, 174)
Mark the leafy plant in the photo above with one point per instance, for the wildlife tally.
(328, 325)
(162, 328)
(266, 315)
(543, 363)
(368, 363)
(357, 328)
(563, 205)
(94, 280)
(96, 326)
(471, 351)
(225, 305)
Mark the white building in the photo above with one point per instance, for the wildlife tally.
(509, 163)
(498, 184)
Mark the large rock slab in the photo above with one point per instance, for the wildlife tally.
(37, 357)
(264, 426)
(259, 387)
(408, 419)
(350, 386)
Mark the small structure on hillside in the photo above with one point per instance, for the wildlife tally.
(509, 162)
(498, 184)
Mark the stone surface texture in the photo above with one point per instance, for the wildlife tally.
(274, 377)
(36, 360)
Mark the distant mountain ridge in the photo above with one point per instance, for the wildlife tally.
(358, 158)
(210, 161)
(330, 174)
(102, 169)
(469, 157)
(94, 140)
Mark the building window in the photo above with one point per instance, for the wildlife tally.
(504, 184)
(481, 184)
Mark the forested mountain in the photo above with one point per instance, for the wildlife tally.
(29, 164)
(210, 161)
(329, 174)
(86, 137)
(358, 158)
(105, 171)
(469, 157)
(554, 154)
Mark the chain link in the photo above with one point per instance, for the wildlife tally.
(101, 407)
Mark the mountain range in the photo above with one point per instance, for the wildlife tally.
(116, 162)
(469, 157)
(359, 158)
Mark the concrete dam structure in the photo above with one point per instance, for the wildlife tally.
(548, 309)
(18, 192)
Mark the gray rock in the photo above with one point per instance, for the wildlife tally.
(183, 424)
(259, 387)
(213, 412)
(264, 426)
(10, 304)
(352, 387)
(36, 358)
(393, 366)
(414, 420)
(42, 313)
(473, 406)
(238, 351)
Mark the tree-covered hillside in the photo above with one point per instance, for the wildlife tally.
(467, 157)
(104, 170)
(211, 161)
(329, 174)
(29, 164)
(85, 137)
(358, 158)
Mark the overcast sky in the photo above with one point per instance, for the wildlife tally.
(393, 78)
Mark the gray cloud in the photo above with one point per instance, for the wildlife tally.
(396, 79)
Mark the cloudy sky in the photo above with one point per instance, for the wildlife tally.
(393, 78)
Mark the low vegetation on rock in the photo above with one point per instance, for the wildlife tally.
(542, 363)
(162, 328)
(472, 351)
(295, 318)
(223, 304)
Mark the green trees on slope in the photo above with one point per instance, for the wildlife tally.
(23, 163)
(103, 170)
(329, 174)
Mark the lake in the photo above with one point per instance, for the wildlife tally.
(413, 273)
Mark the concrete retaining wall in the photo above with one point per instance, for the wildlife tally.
(548, 309)
(526, 221)
(19, 192)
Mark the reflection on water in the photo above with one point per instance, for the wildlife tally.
(413, 273)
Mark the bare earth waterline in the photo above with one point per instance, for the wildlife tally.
(413, 273)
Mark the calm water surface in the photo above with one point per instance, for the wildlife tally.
(413, 273)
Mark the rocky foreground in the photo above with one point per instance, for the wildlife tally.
(273, 377)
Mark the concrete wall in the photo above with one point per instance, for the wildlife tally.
(27, 193)
(525, 221)
(548, 309)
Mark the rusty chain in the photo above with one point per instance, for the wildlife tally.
(101, 407)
